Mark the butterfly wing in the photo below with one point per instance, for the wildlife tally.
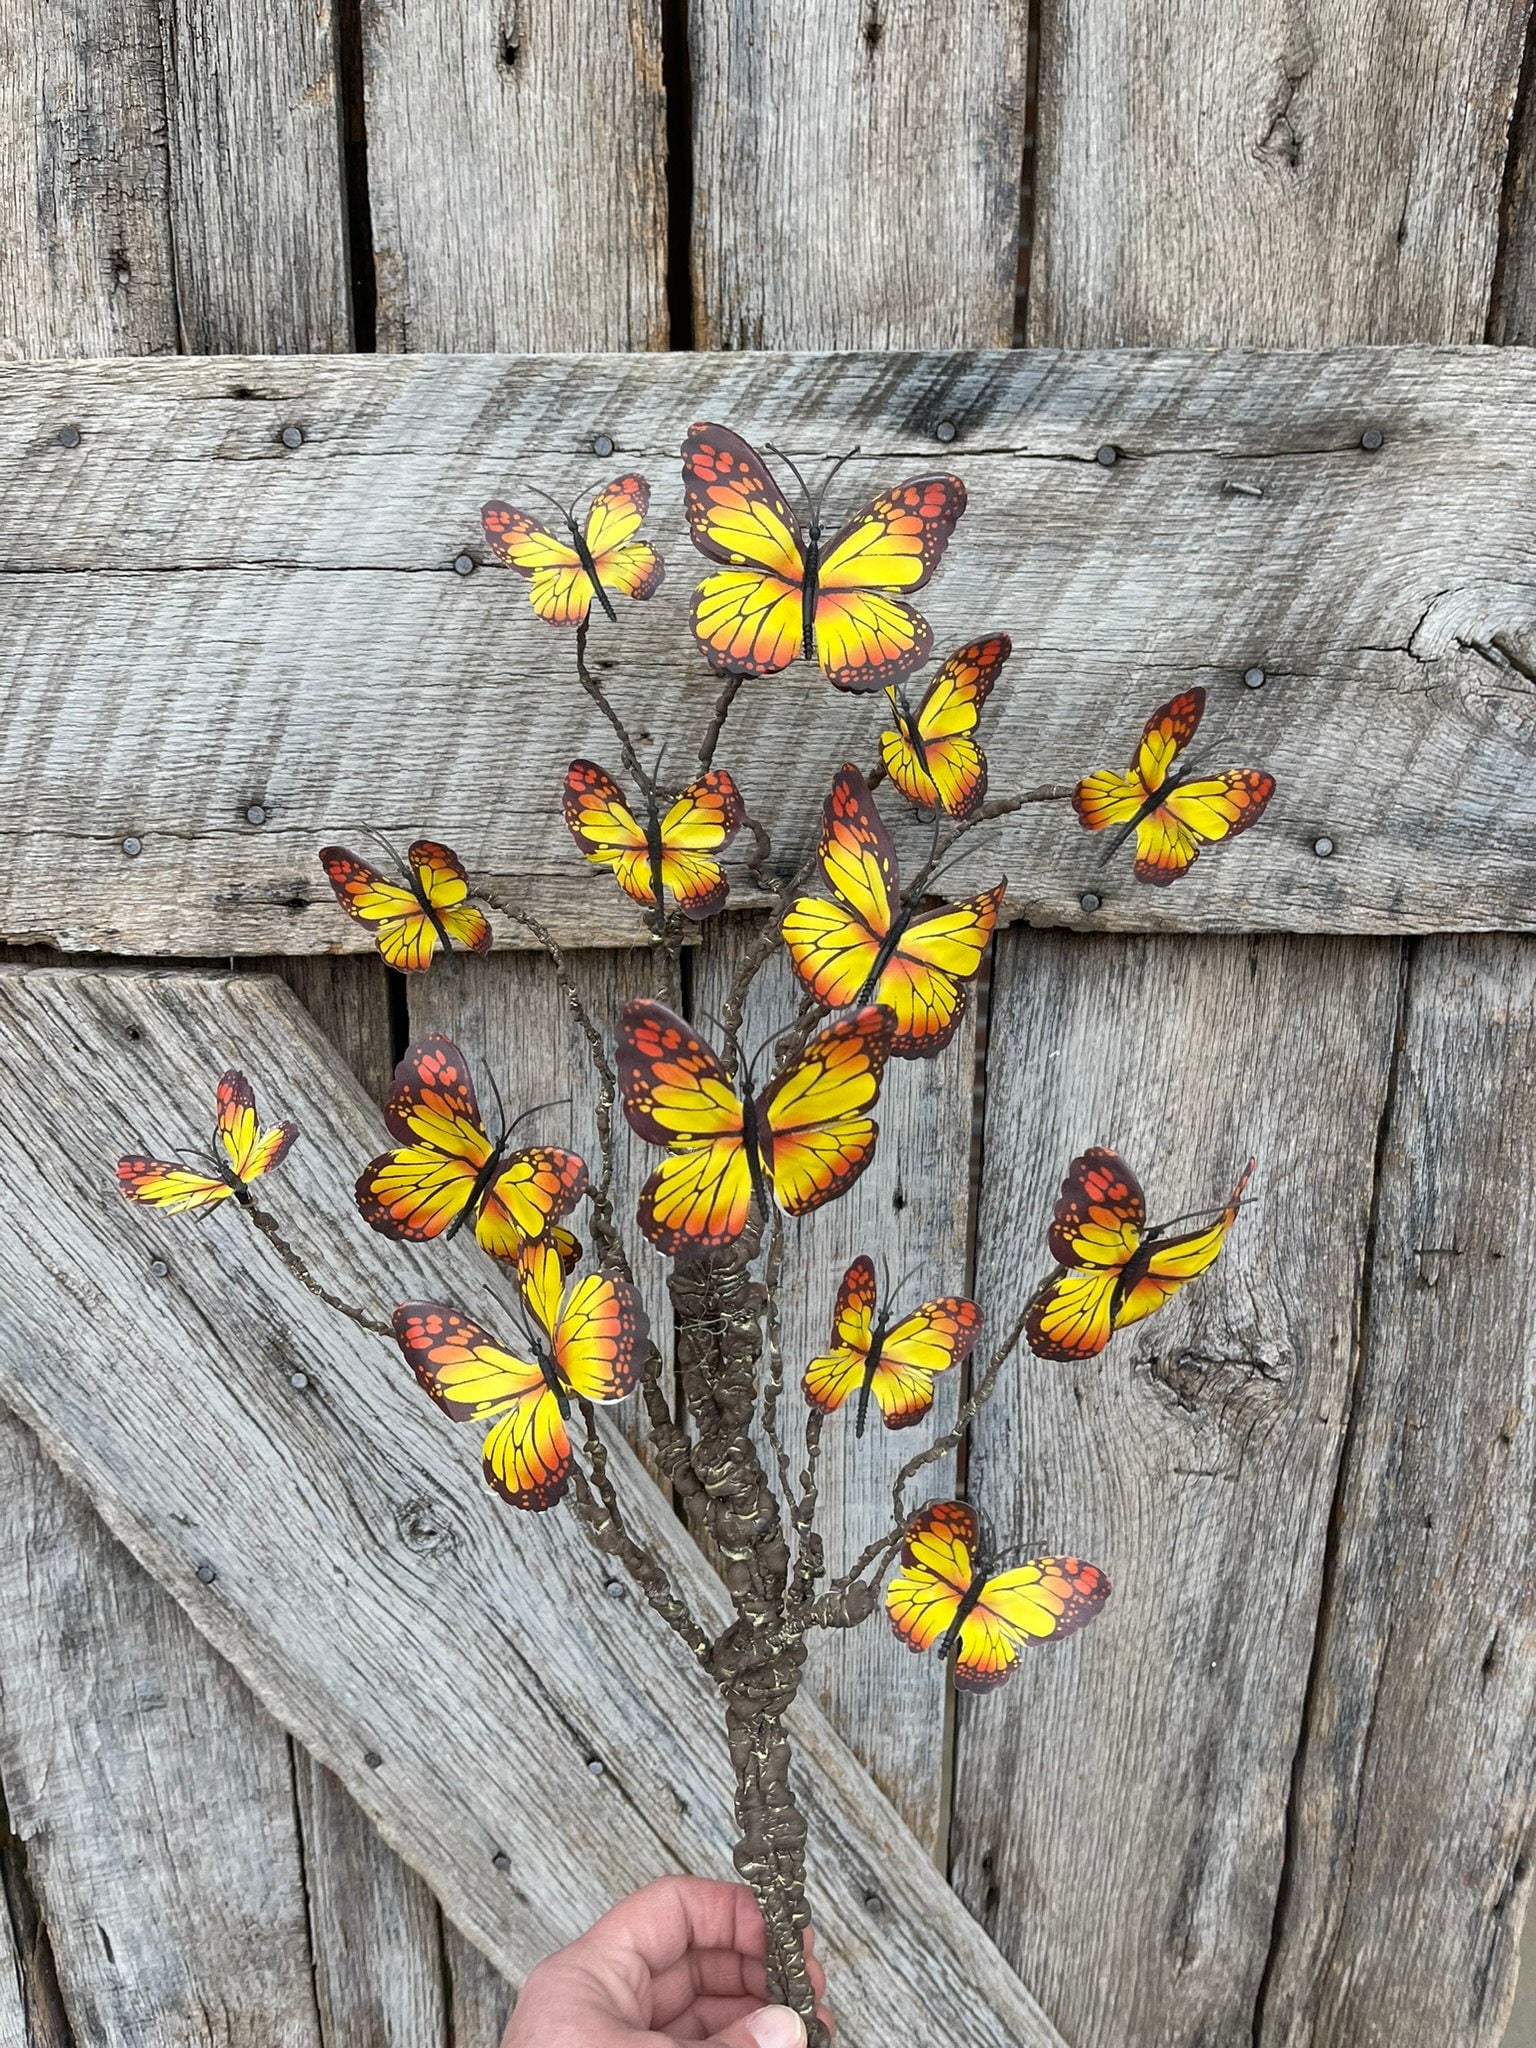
(560, 590)
(934, 1337)
(402, 930)
(527, 1452)
(1172, 1261)
(937, 1565)
(1198, 813)
(535, 1188)
(926, 981)
(813, 1127)
(1095, 1232)
(830, 1379)
(676, 1093)
(932, 758)
(251, 1151)
(415, 1192)
(631, 567)
(833, 946)
(748, 615)
(441, 878)
(702, 820)
(866, 636)
(1038, 1602)
(598, 1338)
(162, 1184)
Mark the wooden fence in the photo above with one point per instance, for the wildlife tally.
(1283, 1793)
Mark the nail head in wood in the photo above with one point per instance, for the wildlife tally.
(293, 437)
(372, 1759)
(464, 565)
(132, 846)
(602, 444)
(873, 1903)
(68, 437)
(207, 1574)
(501, 1860)
(596, 1766)
(255, 814)
(614, 1588)
(1107, 456)
(1322, 847)
(946, 430)
(1254, 678)
(1090, 900)
(298, 1380)
(158, 1268)
(1372, 439)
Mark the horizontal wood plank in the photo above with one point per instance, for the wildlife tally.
(334, 1538)
(230, 629)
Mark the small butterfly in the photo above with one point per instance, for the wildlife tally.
(1173, 816)
(781, 592)
(448, 1171)
(893, 1362)
(249, 1150)
(931, 756)
(603, 555)
(800, 1143)
(867, 946)
(944, 1596)
(1112, 1267)
(674, 850)
(410, 922)
(584, 1345)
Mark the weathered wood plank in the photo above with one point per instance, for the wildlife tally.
(1269, 180)
(364, 1582)
(379, 1975)
(856, 172)
(480, 1999)
(910, 1211)
(153, 1796)
(1512, 307)
(1417, 1781)
(1120, 1807)
(311, 590)
(13, 2014)
(516, 174)
(25, 1940)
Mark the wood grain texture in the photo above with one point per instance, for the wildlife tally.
(360, 681)
(1268, 178)
(13, 2012)
(1416, 1785)
(479, 1998)
(1120, 1807)
(516, 174)
(153, 1797)
(1512, 306)
(364, 1581)
(378, 1956)
(856, 172)
(910, 1211)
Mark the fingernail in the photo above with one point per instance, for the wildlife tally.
(776, 2027)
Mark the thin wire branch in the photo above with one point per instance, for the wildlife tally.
(599, 696)
(267, 1225)
(716, 726)
(603, 1518)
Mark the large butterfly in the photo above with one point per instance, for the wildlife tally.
(867, 946)
(248, 1150)
(448, 1171)
(583, 1345)
(802, 1141)
(1172, 815)
(782, 592)
(409, 923)
(944, 1596)
(1112, 1268)
(894, 1363)
(931, 756)
(599, 556)
(674, 850)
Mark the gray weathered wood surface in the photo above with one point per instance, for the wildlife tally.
(361, 682)
(361, 1575)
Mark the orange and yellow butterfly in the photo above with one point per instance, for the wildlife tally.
(931, 756)
(584, 1345)
(781, 592)
(599, 556)
(410, 922)
(448, 1171)
(674, 850)
(801, 1142)
(1173, 816)
(249, 1150)
(1112, 1267)
(893, 1362)
(866, 945)
(944, 1597)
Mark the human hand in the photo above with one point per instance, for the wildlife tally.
(681, 1960)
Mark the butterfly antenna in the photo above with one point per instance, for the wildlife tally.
(501, 1109)
(567, 512)
(826, 482)
(555, 1102)
(370, 833)
(812, 507)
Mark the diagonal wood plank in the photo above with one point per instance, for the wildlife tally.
(312, 589)
(378, 1598)
(1120, 1810)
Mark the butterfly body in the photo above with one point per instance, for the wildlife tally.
(780, 592)
(1113, 1268)
(877, 1337)
(247, 1153)
(588, 562)
(1173, 812)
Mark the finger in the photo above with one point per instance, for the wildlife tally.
(771, 2026)
(663, 1921)
(712, 1973)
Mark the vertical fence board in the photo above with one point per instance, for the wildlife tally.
(856, 172)
(516, 168)
(1120, 1807)
(1417, 1787)
(1269, 177)
(153, 1795)
(479, 1997)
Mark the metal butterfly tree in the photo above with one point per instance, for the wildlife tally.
(884, 969)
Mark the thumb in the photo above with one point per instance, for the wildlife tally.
(771, 2026)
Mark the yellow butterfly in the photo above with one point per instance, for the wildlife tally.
(249, 1150)
(409, 924)
(603, 555)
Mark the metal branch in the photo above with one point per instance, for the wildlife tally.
(599, 696)
(268, 1227)
(597, 1504)
(716, 726)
